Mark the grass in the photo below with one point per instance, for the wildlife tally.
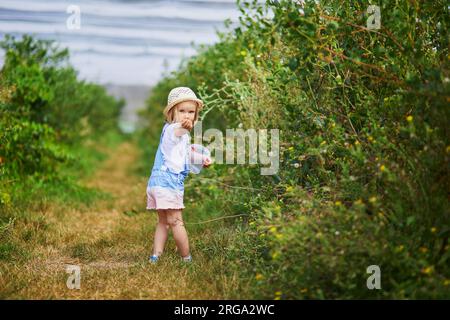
(110, 239)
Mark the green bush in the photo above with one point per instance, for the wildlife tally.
(44, 108)
(364, 148)
(47, 116)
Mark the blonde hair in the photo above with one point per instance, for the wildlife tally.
(170, 118)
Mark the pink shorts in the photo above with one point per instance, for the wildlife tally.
(164, 198)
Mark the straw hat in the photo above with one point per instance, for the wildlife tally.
(180, 94)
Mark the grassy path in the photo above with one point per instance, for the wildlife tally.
(111, 241)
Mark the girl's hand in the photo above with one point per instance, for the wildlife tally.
(187, 124)
(207, 162)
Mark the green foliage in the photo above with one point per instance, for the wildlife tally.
(47, 119)
(45, 109)
(364, 149)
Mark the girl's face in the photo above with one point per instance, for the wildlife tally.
(185, 110)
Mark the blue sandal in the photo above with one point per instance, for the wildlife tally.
(187, 259)
(153, 259)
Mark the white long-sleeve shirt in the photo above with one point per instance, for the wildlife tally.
(175, 149)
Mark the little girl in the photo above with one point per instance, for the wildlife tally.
(165, 187)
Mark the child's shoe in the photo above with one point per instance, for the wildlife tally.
(187, 258)
(153, 259)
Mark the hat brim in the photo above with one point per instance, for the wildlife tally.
(170, 106)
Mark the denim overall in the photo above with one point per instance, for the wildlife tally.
(162, 176)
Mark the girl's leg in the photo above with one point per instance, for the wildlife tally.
(175, 220)
(161, 233)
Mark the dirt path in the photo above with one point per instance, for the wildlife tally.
(110, 242)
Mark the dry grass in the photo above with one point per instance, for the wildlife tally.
(111, 248)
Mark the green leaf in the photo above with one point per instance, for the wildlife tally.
(293, 64)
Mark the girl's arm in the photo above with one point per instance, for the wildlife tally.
(198, 158)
